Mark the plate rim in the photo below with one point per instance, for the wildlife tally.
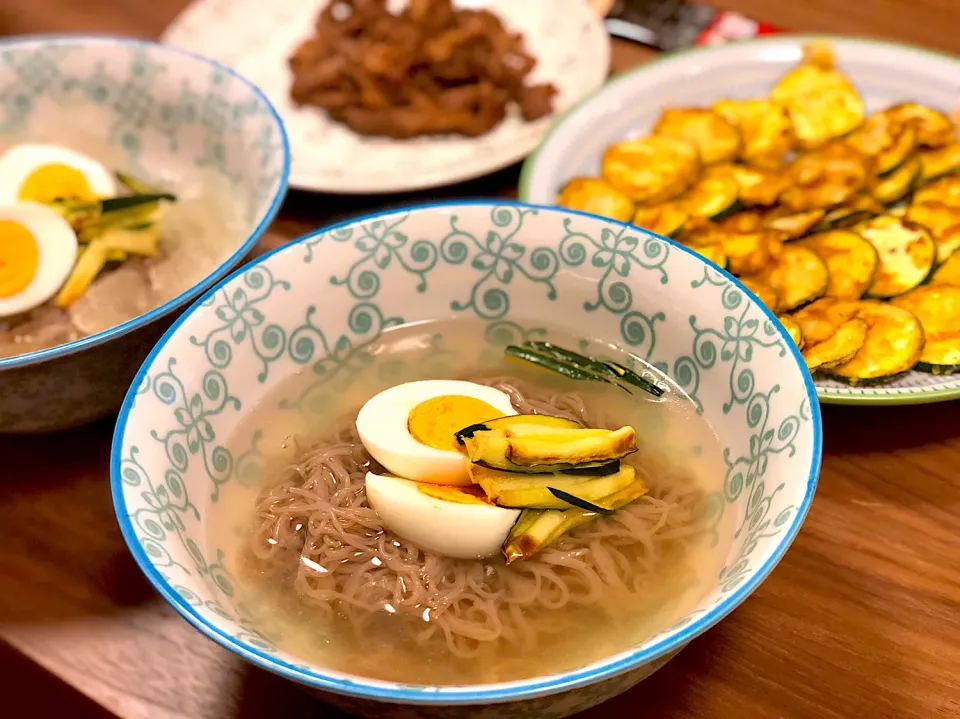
(825, 395)
(307, 182)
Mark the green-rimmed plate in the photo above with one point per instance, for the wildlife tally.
(884, 73)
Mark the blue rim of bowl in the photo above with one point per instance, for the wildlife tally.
(826, 396)
(356, 686)
(78, 345)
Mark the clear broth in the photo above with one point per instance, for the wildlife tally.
(301, 406)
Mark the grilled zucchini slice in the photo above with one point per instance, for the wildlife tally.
(764, 292)
(949, 272)
(652, 169)
(748, 253)
(715, 137)
(532, 491)
(766, 132)
(934, 129)
(798, 276)
(794, 224)
(793, 329)
(821, 102)
(596, 196)
(826, 177)
(897, 184)
(711, 197)
(667, 219)
(851, 262)
(938, 310)
(757, 186)
(942, 221)
(907, 254)
(946, 191)
(893, 345)
(940, 161)
(841, 347)
(888, 143)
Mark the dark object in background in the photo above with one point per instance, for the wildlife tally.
(676, 24)
(430, 69)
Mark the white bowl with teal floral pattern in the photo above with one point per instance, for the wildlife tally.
(313, 305)
(163, 115)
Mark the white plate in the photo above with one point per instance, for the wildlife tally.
(884, 73)
(256, 37)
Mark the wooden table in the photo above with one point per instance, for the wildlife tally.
(861, 619)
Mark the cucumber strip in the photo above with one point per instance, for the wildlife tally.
(906, 251)
(798, 276)
(612, 370)
(898, 183)
(554, 365)
(138, 187)
(893, 345)
(938, 310)
(514, 420)
(840, 348)
(851, 262)
(112, 204)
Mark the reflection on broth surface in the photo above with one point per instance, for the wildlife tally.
(318, 571)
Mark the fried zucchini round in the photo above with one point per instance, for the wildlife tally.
(934, 129)
(651, 169)
(907, 254)
(758, 187)
(667, 219)
(887, 142)
(715, 137)
(766, 132)
(826, 177)
(938, 309)
(822, 104)
(851, 262)
(596, 196)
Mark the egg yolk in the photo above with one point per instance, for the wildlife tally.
(460, 495)
(52, 182)
(435, 421)
(19, 258)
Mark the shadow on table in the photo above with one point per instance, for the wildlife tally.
(858, 429)
(62, 552)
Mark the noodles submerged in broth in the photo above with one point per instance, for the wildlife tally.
(340, 589)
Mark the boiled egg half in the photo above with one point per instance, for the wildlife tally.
(38, 249)
(409, 428)
(448, 520)
(428, 498)
(43, 173)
